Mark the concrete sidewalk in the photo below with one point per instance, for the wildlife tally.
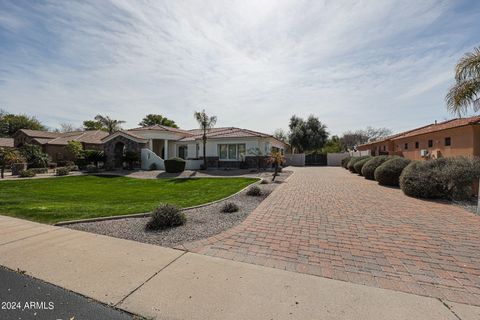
(169, 284)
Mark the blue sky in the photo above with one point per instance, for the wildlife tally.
(252, 63)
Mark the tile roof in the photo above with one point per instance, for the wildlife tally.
(128, 133)
(89, 137)
(6, 142)
(229, 132)
(41, 140)
(161, 128)
(433, 127)
(41, 134)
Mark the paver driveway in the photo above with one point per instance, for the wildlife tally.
(329, 222)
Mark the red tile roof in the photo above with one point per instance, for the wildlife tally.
(160, 128)
(6, 142)
(89, 137)
(41, 134)
(229, 132)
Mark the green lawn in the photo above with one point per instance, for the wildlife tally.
(68, 198)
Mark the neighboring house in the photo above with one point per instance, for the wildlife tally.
(6, 143)
(456, 137)
(226, 147)
(54, 143)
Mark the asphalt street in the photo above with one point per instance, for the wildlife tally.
(23, 298)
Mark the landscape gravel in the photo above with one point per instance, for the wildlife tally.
(201, 223)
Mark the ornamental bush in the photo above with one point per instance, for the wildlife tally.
(353, 160)
(29, 173)
(359, 165)
(254, 191)
(345, 161)
(39, 170)
(63, 171)
(166, 216)
(388, 173)
(447, 178)
(229, 207)
(368, 169)
(175, 165)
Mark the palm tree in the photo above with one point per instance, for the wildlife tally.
(206, 123)
(109, 124)
(466, 90)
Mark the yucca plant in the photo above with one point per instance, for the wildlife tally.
(466, 91)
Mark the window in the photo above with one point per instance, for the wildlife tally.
(448, 141)
(406, 146)
(430, 143)
(416, 145)
(231, 151)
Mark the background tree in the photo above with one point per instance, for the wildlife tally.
(466, 91)
(11, 123)
(281, 135)
(157, 119)
(307, 135)
(108, 124)
(351, 139)
(90, 125)
(67, 127)
(206, 123)
(333, 145)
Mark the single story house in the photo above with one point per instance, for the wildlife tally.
(226, 147)
(456, 137)
(54, 143)
(6, 143)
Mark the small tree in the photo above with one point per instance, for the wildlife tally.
(7, 158)
(34, 156)
(94, 156)
(277, 159)
(206, 123)
(75, 148)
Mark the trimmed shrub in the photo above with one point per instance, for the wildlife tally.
(39, 170)
(449, 178)
(351, 163)
(368, 169)
(175, 165)
(264, 181)
(92, 168)
(388, 173)
(359, 165)
(254, 191)
(27, 173)
(64, 171)
(345, 161)
(166, 216)
(229, 207)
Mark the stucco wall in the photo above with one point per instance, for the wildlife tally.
(462, 143)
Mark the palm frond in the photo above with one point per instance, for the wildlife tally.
(469, 66)
(462, 95)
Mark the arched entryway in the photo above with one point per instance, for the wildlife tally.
(119, 152)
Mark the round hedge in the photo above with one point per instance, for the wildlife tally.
(388, 173)
(345, 161)
(359, 165)
(351, 163)
(368, 169)
(175, 165)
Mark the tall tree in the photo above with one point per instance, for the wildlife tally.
(281, 135)
(11, 123)
(89, 125)
(109, 124)
(67, 127)
(206, 123)
(157, 119)
(307, 135)
(466, 91)
(351, 139)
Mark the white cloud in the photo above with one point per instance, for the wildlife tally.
(251, 63)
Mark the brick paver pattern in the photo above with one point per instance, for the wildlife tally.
(331, 223)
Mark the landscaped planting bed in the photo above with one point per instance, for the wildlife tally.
(200, 223)
(80, 197)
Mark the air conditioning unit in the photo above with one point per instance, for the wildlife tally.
(424, 153)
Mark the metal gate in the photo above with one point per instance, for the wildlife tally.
(316, 159)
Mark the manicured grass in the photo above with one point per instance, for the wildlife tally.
(69, 198)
